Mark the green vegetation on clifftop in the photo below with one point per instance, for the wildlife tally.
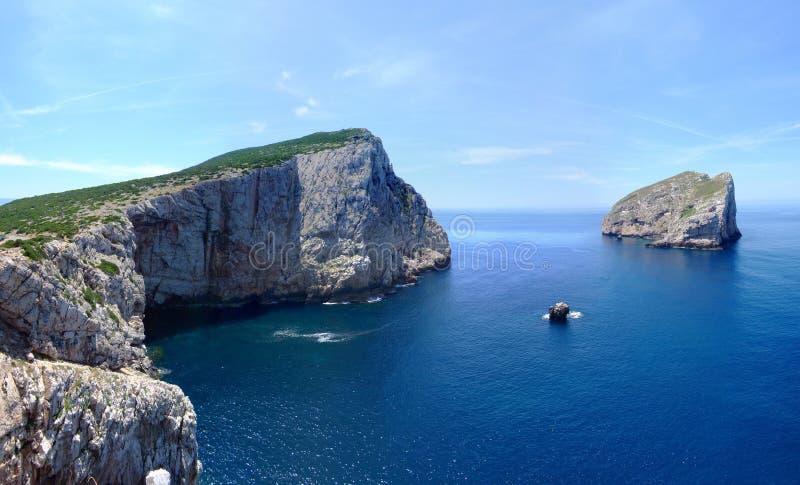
(32, 248)
(64, 214)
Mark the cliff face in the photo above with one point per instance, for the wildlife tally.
(689, 210)
(77, 400)
(322, 225)
(65, 307)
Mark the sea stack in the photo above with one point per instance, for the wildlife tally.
(689, 210)
(559, 312)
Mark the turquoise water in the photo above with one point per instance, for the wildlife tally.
(684, 367)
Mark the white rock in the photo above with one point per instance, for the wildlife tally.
(157, 477)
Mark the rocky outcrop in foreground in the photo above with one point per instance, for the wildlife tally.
(67, 423)
(689, 210)
(77, 402)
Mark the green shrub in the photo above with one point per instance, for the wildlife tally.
(108, 267)
(114, 317)
(92, 297)
(32, 248)
(687, 212)
(110, 219)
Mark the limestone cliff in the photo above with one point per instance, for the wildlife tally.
(689, 210)
(324, 224)
(310, 219)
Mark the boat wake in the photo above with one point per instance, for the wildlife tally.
(324, 337)
(321, 337)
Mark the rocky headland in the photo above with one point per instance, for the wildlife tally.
(689, 210)
(311, 219)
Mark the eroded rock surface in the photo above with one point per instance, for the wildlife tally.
(323, 224)
(689, 210)
(66, 307)
(68, 423)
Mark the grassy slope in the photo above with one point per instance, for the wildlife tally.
(706, 188)
(63, 214)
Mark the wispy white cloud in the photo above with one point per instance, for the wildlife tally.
(497, 154)
(283, 85)
(391, 73)
(745, 141)
(58, 105)
(575, 174)
(256, 127)
(145, 170)
(307, 109)
(310, 104)
(675, 126)
(161, 10)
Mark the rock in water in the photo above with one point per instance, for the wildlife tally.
(689, 210)
(559, 312)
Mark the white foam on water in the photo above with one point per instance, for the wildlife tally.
(404, 285)
(571, 315)
(325, 337)
(285, 333)
(335, 302)
(374, 299)
(321, 337)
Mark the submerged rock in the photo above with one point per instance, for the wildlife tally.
(559, 312)
(689, 210)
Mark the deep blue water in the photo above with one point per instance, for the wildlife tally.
(684, 368)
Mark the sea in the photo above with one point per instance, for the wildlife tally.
(675, 365)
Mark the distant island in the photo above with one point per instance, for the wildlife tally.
(689, 210)
(316, 218)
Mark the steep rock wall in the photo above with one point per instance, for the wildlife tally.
(321, 225)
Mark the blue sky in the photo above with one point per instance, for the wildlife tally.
(485, 104)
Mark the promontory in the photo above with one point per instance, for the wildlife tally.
(315, 218)
(689, 210)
